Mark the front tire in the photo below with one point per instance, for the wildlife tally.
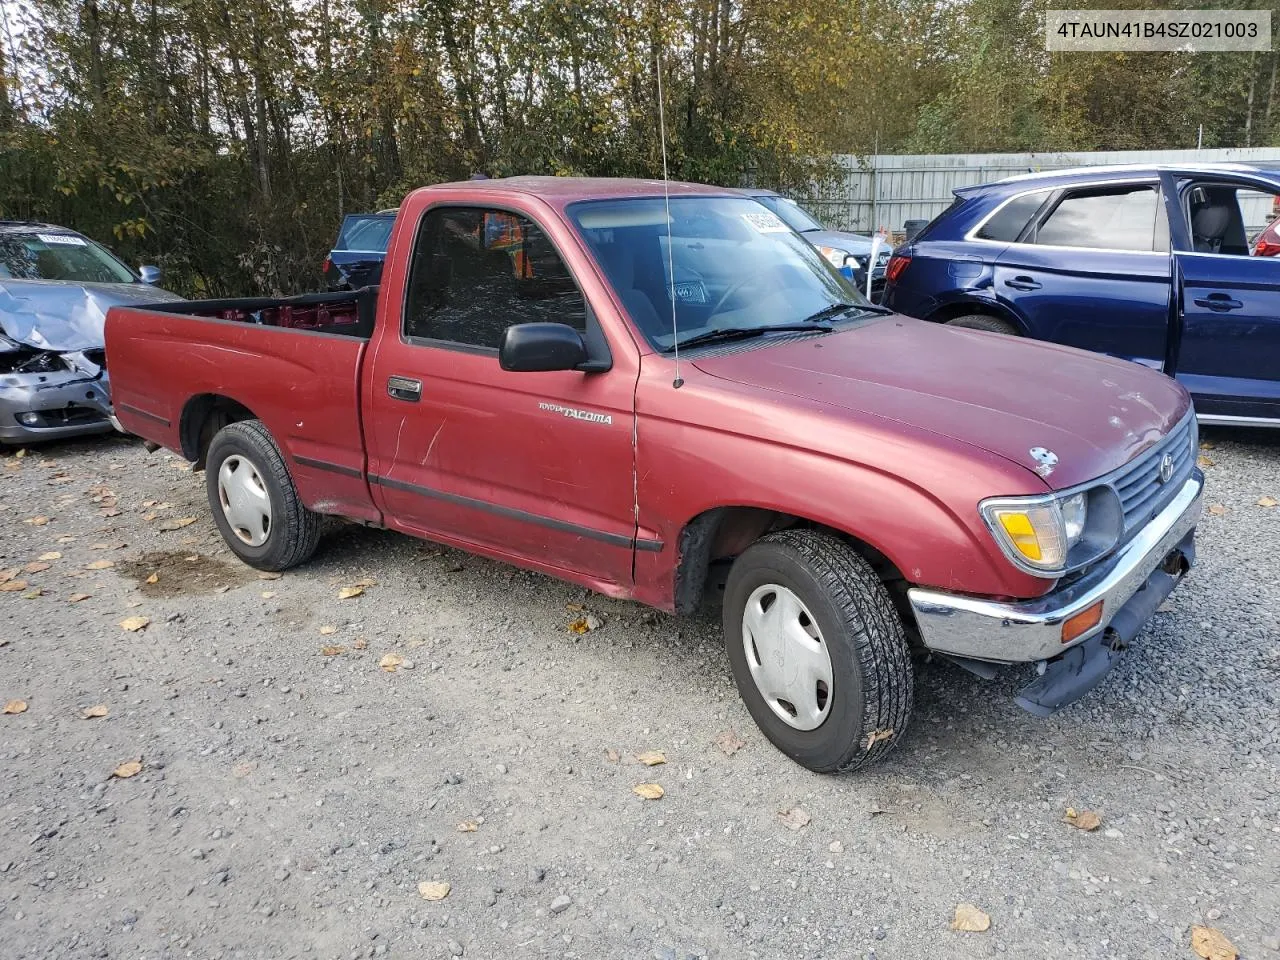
(254, 502)
(817, 650)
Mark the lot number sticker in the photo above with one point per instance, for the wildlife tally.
(765, 222)
(59, 238)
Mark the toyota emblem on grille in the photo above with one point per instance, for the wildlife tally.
(1166, 468)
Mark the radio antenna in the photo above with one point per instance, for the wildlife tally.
(678, 382)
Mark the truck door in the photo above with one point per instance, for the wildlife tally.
(1091, 270)
(533, 467)
(1228, 355)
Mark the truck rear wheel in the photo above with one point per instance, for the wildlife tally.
(254, 502)
(817, 650)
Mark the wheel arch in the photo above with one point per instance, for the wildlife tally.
(964, 308)
(202, 417)
(721, 533)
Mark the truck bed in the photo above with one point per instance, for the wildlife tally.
(243, 353)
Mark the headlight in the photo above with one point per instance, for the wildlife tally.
(1051, 534)
(834, 256)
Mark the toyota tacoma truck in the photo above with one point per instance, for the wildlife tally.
(663, 393)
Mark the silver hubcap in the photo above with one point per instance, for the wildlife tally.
(245, 501)
(787, 657)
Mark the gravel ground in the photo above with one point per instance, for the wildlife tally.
(292, 798)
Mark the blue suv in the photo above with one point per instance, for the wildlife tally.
(1148, 263)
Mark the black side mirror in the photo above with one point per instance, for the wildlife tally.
(533, 347)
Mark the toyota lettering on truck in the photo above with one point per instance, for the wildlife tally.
(854, 486)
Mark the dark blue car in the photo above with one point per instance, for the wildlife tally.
(1151, 264)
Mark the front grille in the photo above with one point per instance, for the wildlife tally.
(1142, 493)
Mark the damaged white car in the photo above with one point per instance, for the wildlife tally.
(55, 289)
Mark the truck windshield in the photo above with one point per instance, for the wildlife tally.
(58, 256)
(735, 263)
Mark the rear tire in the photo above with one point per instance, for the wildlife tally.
(845, 624)
(254, 502)
(983, 321)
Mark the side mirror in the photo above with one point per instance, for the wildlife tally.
(534, 347)
(149, 274)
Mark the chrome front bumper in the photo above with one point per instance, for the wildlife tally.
(1030, 630)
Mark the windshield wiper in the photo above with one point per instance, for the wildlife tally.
(826, 313)
(723, 334)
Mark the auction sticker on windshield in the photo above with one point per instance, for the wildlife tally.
(62, 238)
(765, 222)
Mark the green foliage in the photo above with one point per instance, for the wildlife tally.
(223, 141)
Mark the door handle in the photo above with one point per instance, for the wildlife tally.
(1023, 283)
(1219, 302)
(404, 388)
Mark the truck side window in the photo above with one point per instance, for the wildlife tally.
(476, 271)
(1110, 218)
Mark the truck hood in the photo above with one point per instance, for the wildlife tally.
(853, 243)
(1006, 395)
(52, 315)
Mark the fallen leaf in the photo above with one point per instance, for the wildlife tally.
(573, 607)
(433, 889)
(795, 818)
(242, 770)
(37, 521)
(332, 650)
(77, 597)
(651, 758)
(468, 826)
(1210, 944)
(13, 586)
(134, 624)
(15, 706)
(99, 711)
(113, 512)
(1085, 820)
(650, 791)
(346, 593)
(360, 644)
(127, 770)
(177, 524)
(1267, 501)
(99, 546)
(612, 755)
(66, 538)
(876, 736)
(268, 575)
(32, 594)
(101, 565)
(730, 743)
(36, 567)
(390, 662)
(365, 582)
(1204, 462)
(1216, 509)
(51, 555)
(579, 626)
(969, 919)
(9, 573)
(268, 594)
(328, 630)
(20, 454)
(154, 578)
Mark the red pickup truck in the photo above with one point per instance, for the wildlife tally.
(663, 398)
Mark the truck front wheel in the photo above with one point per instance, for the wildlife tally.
(254, 502)
(817, 650)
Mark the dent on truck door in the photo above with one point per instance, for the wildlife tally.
(1229, 354)
(534, 466)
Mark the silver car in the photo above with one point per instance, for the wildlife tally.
(55, 289)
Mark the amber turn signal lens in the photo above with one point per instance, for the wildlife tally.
(1082, 622)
